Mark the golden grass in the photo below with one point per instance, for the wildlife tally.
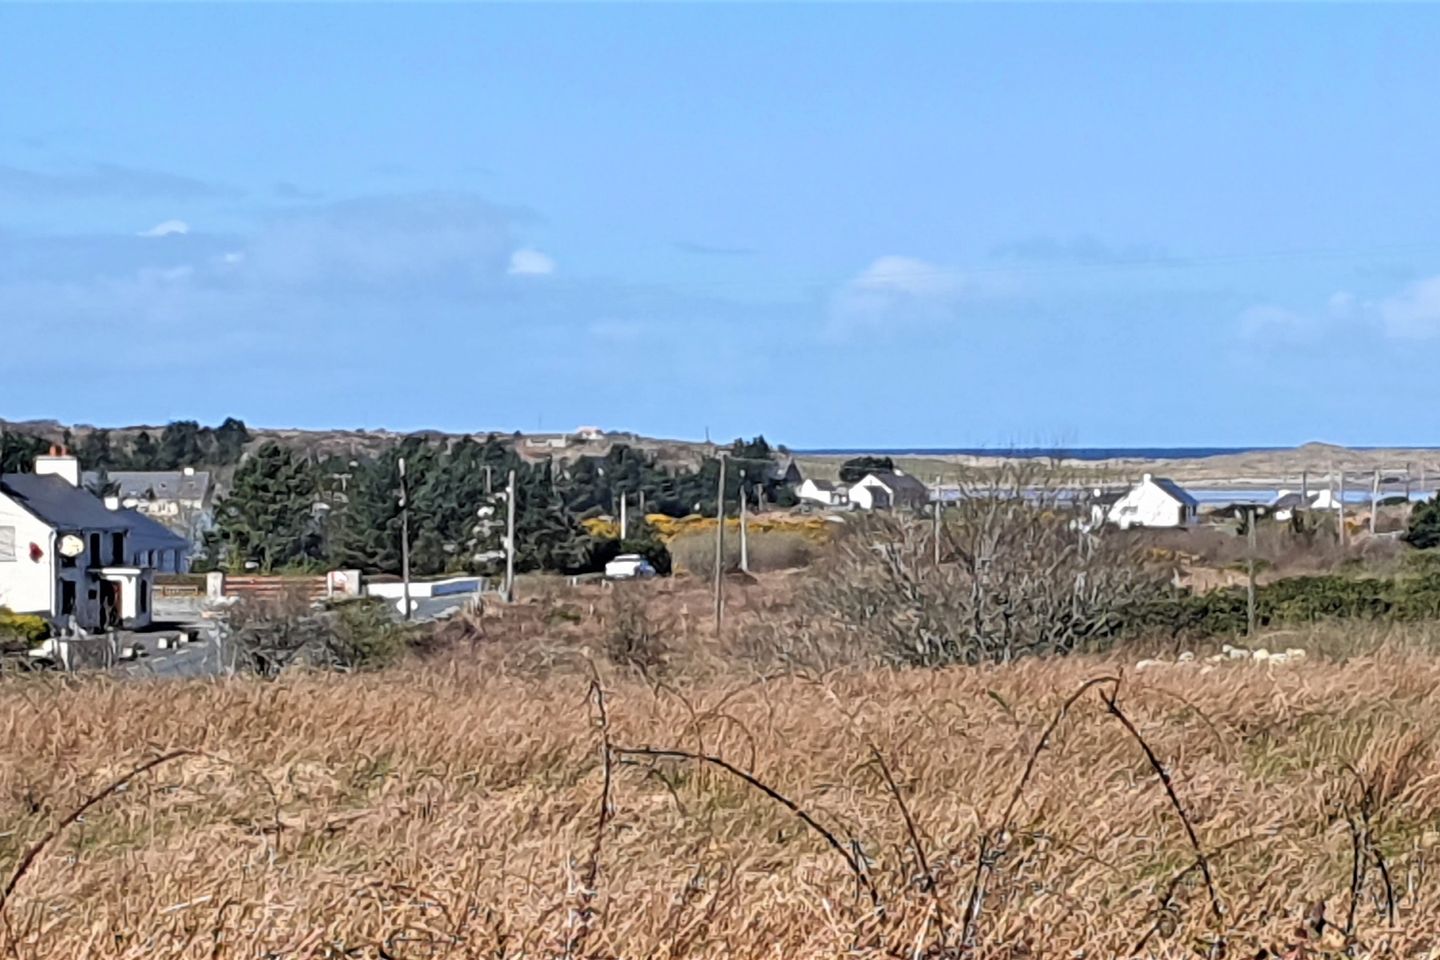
(451, 811)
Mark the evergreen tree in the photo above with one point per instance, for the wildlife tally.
(180, 446)
(230, 440)
(857, 467)
(144, 455)
(94, 451)
(268, 518)
(19, 450)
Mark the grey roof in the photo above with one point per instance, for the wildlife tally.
(52, 500)
(1175, 490)
(902, 484)
(156, 484)
(147, 534)
(825, 485)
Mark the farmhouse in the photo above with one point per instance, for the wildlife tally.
(823, 492)
(64, 555)
(895, 489)
(1154, 502)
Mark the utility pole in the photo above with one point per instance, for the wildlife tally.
(510, 539)
(935, 532)
(642, 504)
(720, 550)
(489, 486)
(404, 541)
(1340, 506)
(1250, 572)
(744, 534)
(1374, 501)
(624, 518)
(1305, 486)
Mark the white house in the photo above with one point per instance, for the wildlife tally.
(1154, 502)
(64, 555)
(823, 492)
(886, 489)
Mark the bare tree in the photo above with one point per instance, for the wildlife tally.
(1025, 568)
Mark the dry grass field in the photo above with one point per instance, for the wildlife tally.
(454, 809)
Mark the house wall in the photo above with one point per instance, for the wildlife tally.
(27, 586)
(1146, 505)
(869, 496)
(810, 492)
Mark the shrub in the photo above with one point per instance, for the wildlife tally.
(23, 628)
(1423, 532)
(267, 636)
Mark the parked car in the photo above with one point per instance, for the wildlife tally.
(628, 566)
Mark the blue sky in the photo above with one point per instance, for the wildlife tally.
(836, 225)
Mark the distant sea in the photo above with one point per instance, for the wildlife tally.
(1071, 453)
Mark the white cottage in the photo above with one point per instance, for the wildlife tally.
(885, 489)
(64, 555)
(1154, 502)
(823, 492)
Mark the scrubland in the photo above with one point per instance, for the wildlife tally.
(541, 789)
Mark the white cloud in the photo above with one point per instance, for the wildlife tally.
(1414, 313)
(896, 290)
(167, 228)
(526, 262)
(1267, 320)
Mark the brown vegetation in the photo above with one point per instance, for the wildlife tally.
(482, 809)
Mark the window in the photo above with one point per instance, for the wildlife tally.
(67, 598)
(7, 544)
(144, 597)
(117, 549)
(94, 550)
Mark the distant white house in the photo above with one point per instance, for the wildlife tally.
(886, 489)
(1154, 502)
(823, 492)
(589, 433)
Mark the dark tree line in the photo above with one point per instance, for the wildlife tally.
(184, 443)
(284, 511)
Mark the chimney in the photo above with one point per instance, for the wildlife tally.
(188, 471)
(59, 463)
(1146, 478)
(112, 502)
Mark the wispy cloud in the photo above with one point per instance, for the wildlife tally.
(166, 228)
(106, 180)
(526, 262)
(285, 190)
(898, 291)
(713, 250)
(1409, 314)
(1083, 249)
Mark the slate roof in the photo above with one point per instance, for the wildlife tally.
(903, 485)
(56, 503)
(156, 484)
(147, 534)
(1175, 491)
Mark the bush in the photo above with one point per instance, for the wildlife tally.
(23, 628)
(769, 550)
(267, 636)
(1423, 533)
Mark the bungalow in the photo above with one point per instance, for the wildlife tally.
(785, 473)
(64, 555)
(1154, 502)
(824, 492)
(899, 490)
(182, 500)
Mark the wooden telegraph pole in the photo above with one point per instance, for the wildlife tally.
(404, 541)
(624, 518)
(1374, 501)
(744, 533)
(1250, 571)
(1340, 508)
(510, 539)
(720, 550)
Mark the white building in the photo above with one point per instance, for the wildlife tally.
(885, 489)
(1154, 502)
(64, 555)
(823, 492)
